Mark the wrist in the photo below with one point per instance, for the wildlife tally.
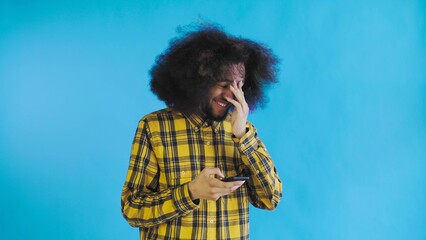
(238, 135)
(241, 133)
(191, 191)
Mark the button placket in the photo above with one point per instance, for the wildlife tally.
(207, 135)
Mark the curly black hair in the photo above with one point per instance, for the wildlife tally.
(194, 62)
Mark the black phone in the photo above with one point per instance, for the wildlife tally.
(235, 178)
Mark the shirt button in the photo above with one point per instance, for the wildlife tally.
(257, 171)
(196, 129)
(183, 172)
(208, 142)
(211, 221)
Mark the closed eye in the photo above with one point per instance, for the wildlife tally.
(224, 86)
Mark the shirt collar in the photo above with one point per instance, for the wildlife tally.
(199, 120)
(196, 119)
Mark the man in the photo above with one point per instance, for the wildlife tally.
(180, 155)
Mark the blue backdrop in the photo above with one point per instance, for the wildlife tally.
(346, 125)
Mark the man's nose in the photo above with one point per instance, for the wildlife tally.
(228, 93)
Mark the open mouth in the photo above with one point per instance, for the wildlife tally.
(222, 103)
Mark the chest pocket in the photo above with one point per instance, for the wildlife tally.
(178, 171)
(178, 181)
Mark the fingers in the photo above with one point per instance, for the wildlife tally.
(237, 90)
(205, 187)
(233, 102)
(212, 171)
(219, 188)
(227, 185)
(240, 105)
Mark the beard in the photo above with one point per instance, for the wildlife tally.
(208, 110)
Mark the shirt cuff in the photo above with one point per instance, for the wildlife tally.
(247, 143)
(182, 199)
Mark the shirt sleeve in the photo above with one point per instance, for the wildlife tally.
(265, 187)
(142, 204)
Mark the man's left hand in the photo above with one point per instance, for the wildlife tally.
(241, 110)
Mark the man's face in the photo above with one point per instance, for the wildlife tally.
(217, 107)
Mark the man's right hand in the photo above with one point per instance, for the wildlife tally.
(208, 188)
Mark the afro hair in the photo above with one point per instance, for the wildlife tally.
(195, 61)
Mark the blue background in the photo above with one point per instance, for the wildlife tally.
(346, 125)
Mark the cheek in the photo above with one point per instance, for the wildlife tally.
(215, 93)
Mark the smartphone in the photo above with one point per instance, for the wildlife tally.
(235, 178)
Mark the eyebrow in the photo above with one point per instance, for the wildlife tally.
(231, 81)
(226, 80)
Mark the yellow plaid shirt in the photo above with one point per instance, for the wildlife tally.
(168, 151)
